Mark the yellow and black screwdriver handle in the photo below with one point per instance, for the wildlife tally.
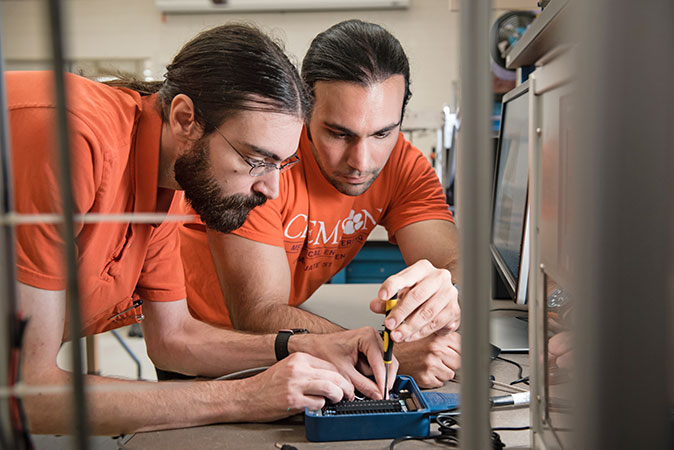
(388, 342)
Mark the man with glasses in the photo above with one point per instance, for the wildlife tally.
(259, 168)
(133, 146)
(356, 171)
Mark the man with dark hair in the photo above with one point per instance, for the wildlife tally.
(221, 127)
(356, 171)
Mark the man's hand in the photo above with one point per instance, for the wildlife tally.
(286, 388)
(430, 361)
(427, 302)
(355, 354)
(560, 350)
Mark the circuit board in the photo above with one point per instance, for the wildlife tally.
(401, 402)
(405, 413)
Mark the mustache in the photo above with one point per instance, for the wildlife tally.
(356, 173)
(240, 201)
(225, 214)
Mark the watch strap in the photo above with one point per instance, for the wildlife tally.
(281, 342)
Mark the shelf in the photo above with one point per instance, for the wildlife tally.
(544, 34)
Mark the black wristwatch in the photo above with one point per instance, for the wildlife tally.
(281, 343)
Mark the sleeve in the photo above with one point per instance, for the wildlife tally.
(417, 194)
(162, 278)
(39, 247)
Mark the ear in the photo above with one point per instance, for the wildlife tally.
(182, 119)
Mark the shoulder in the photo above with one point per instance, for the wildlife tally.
(111, 113)
(92, 106)
(406, 157)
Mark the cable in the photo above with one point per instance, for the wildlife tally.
(448, 434)
(509, 309)
(448, 422)
(22, 438)
(454, 410)
(243, 373)
(519, 368)
(397, 441)
(517, 399)
(524, 380)
(508, 386)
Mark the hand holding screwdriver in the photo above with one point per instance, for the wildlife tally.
(430, 304)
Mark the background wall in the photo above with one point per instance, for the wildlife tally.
(133, 36)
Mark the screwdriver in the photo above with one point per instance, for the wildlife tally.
(388, 345)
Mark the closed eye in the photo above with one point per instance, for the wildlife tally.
(338, 135)
(259, 162)
(255, 161)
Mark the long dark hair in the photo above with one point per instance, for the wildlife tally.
(358, 52)
(229, 68)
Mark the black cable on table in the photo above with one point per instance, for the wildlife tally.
(524, 380)
(510, 309)
(448, 434)
(519, 367)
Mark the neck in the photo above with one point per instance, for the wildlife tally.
(167, 158)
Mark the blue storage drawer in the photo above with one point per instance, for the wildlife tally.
(374, 263)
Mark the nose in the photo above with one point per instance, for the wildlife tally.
(267, 184)
(358, 157)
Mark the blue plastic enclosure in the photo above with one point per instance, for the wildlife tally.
(412, 417)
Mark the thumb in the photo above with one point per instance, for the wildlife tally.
(378, 306)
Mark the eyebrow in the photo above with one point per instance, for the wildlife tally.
(353, 133)
(259, 151)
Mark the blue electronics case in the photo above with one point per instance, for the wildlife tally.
(407, 413)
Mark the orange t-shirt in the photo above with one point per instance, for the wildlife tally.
(320, 228)
(114, 139)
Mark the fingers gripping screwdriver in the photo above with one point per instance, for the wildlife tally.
(388, 345)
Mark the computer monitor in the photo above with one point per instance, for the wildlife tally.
(509, 242)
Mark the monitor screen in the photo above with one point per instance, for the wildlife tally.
(509, 231)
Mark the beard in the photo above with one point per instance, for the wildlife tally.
(345, 188)
(342, 186)
(224, 213)
(351, 189)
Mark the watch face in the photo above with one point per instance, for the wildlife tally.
(299, 330)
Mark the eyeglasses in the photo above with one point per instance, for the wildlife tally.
(259, 168)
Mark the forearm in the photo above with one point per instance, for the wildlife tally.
(454, 254)
(273, 317)
(257, 297)
(122, 406)
(434, 240)
(446, 255)
(451, 263)
(199, 349)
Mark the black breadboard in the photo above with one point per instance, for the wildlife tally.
(365, 407)
(402, 402)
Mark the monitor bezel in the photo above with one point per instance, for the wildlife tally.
(516, 288)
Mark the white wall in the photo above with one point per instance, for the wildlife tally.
(122, 31)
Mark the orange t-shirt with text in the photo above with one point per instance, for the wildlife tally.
(320, 228)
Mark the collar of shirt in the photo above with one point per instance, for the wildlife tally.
(148, 197)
